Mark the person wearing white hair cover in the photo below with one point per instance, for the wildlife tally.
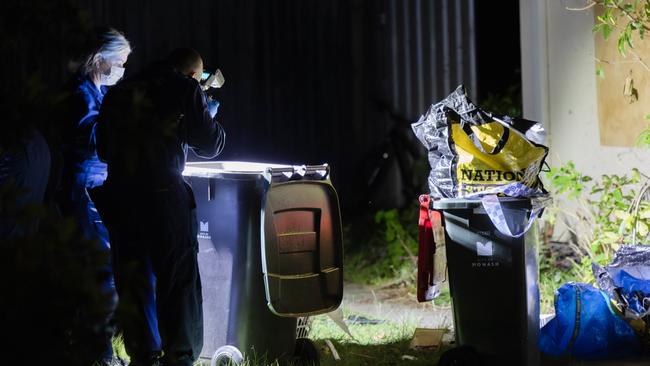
(101, 67)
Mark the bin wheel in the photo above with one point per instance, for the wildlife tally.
(306, 353)
(227, 356)
(460, 356)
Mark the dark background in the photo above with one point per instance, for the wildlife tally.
(307, 81)
(336, 81)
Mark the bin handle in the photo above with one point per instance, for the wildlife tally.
(492, 206)
(298, 172)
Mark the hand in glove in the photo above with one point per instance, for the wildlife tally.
(213, 107)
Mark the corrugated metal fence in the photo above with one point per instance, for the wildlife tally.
(430, 46)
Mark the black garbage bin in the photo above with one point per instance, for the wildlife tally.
(493, 280)
(270, 251)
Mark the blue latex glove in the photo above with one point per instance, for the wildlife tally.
(213, 106)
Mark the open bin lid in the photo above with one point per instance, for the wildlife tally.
(302, 250)
(229, 169)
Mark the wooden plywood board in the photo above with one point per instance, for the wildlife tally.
(623, 92)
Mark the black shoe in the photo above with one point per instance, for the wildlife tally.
(154, 361)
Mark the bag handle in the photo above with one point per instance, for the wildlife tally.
(467, 128)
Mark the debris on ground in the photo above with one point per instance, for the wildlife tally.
(427, 339)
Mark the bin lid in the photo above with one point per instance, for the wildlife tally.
(302, 247)
(251, 170)
(214, 169)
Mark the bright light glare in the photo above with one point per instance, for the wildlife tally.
(239, 167)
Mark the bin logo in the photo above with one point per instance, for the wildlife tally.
(204, 230)
(484, 249)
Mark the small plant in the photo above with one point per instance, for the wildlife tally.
(387, 252)
(119, 349)
(612, 209)
(600, 215)
(507, 103)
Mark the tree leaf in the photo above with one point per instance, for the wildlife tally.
(621, 215)
(642, 229)
(644, 215)
(610, 237)
(618, 195)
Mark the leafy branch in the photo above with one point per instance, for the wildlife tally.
(613, 210)
(632, 19)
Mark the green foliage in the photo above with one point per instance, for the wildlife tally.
(607, 206)
(643, 140)
(601, 215)
(508, 103)
(50, 278)
(444, 298)
(119, 350)
(30, 91)
(386, 252)
(553, 277)
(566, 179)
(631, 17)
(614, 217)
(49, 275)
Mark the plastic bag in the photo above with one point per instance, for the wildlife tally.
(585, 327)
(626, 280)
(474, 151)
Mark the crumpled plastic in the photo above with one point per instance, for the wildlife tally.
(474, 152)
(626, 281)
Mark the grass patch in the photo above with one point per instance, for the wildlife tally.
(377, 354)
(444, 299)
(373, 344)
(382, 249)
(118, 348)
(379, 344)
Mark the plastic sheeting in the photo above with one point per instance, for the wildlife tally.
(626, 280)
(585, 327)
(474, 151)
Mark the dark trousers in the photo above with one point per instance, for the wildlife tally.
(76, 203)
(153, 234)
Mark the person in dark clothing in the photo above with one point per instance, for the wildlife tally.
(146, 125)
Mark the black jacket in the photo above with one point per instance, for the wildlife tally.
(146, 124)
